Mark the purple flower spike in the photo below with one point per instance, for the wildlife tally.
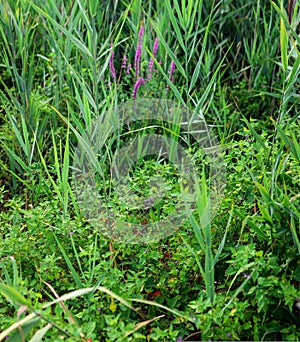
(151, 63)
(155, 47)
(150, 68)
(138, 52)
(179, 339)
(111, 64)
(138, 83)
(141, 34)
(171, 72)
(124, 62)
(137, 61)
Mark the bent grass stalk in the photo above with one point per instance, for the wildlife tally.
(37, 314)
(13, 295)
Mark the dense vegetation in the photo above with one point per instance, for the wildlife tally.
(65, 64)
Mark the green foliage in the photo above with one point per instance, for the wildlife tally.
(234, 278)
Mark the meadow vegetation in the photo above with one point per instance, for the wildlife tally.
(64, 64)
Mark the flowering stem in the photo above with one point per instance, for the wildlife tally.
(138, 83)
(171, 72)
(111, 64)
(138, 52)
(151, 63)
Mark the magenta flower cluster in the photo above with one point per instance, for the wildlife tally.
(138, 53)
(138, 83)
(139, 80)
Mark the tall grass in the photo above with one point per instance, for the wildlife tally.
(274, 198)
(23, 102)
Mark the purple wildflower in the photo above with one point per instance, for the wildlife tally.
(137, 62)
(155, 47)
(111, 64)
(128, 69)
(150, 68)
(138, 52)
(151, 63)
(228, 335)
(179, 339)
(136, 86)
(148, 202)
(124, 62)
(248, 276)
(171, 72)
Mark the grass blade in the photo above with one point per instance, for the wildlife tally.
(13, 295)
(40, 333)
(69, 263)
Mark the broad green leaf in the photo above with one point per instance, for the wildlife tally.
(13, 295)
